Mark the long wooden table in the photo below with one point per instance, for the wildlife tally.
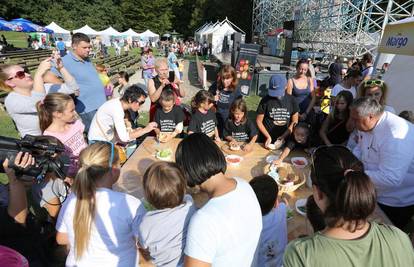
(253, 164)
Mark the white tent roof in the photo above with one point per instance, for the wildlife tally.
(211, 28)
(130, 32)
(148, 34)
(202, 28)
(86, 30)
(224, 29)
(57, 29)
(110, 32)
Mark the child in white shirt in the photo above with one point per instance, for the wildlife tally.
(273, 238)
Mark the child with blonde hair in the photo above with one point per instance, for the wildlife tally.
(95, 221)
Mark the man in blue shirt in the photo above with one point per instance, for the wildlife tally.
(92, 94)
(61, 47)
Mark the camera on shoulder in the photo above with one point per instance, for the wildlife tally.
(47, 151)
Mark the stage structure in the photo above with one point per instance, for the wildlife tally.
(339, 27)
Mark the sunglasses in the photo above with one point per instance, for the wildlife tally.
(371, 83)
(111, 158)
(319, 150)
(19, 75)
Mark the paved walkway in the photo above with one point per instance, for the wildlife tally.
(190, 84)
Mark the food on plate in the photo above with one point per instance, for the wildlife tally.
(302, 208)
(164, 154)
(235, 147)
(289, 214)
(299, 162)
(285, 177)
(163, 137)
(283, 173)
(233, 160)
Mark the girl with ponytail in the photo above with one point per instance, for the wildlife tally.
(58, 118)
(95, 221)
(346, 197)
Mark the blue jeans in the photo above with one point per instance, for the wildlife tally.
(87, 119)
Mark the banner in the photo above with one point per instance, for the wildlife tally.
(245, 65)
(398, 38)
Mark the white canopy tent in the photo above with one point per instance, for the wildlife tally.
(110, 32)
(147, 35)
(86, 30)
(197, 34)
(130, 32)
(221, 35)
(398, 38)
(206, 31)
(57, 29)
(60, 32)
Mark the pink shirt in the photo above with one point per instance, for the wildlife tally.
(74, 143)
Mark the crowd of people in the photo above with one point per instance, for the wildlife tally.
(362, 157)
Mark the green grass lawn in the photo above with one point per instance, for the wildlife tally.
(6, 129)
(18, 39)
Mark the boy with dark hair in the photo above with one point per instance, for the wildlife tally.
(273, 239)
(169, 117)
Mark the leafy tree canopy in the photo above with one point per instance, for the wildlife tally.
(160, 16)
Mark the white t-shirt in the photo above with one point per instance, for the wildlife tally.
(226, 230)
(338, 88)
(273, 239)
(109, 119)
(112, 242)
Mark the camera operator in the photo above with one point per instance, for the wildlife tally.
(16, 230)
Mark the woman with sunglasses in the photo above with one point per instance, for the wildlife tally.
(25, 92)
(95, 221)
(346, 196)
(108, 124)
(376, 89)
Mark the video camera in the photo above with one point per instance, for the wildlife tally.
(46, 150)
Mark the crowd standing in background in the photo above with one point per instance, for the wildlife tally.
(362, 155)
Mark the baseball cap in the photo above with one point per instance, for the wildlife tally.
(277, 85)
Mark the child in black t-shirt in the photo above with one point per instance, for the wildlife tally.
(238, 129)
(168, 117)
(277, 112)
(203, 120)
(299, 139)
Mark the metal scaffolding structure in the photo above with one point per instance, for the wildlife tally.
(339, 27)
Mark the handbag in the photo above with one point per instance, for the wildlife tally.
(122, 154)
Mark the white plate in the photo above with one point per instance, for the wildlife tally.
(234, 148)
(232, 156)
(301, 203)
(271, 147)
(294, 159)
